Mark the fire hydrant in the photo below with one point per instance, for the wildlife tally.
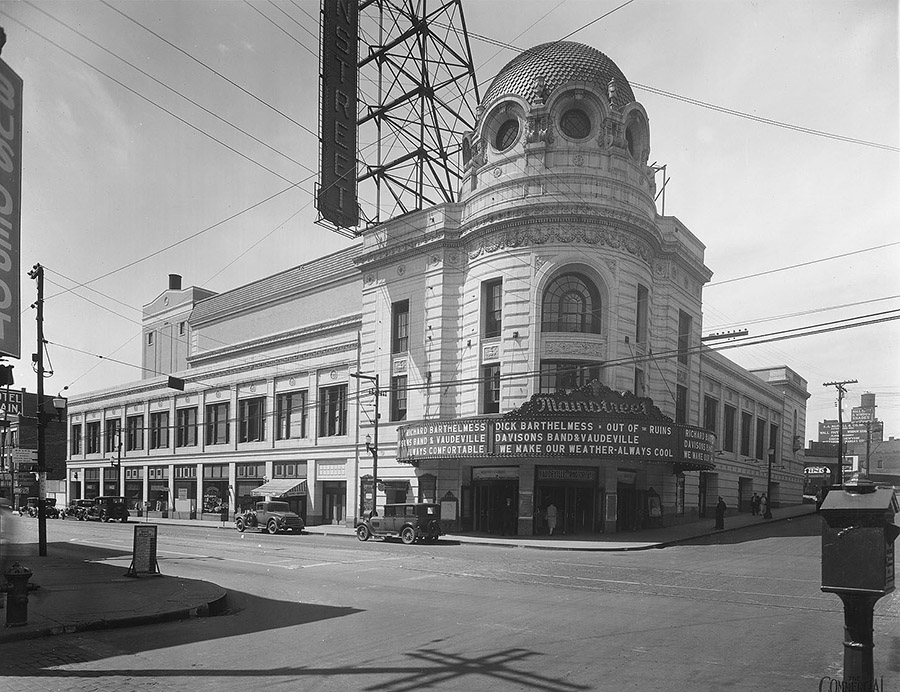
(17, 588)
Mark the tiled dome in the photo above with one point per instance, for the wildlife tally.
(558, 62)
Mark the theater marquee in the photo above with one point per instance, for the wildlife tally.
(592, 423)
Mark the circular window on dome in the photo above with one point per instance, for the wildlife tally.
(507, 134)
(575, 123)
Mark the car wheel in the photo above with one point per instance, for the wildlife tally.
(362, 532)
(103, 517)
(240, 525)
(408, 535)
(272, 527)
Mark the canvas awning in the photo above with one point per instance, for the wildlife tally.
(281, 487)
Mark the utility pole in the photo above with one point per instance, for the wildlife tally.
(841, 391)
(37, 273)
(371, 447)
(868, 447)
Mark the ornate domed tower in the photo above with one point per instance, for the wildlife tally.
(567, 108)
(558, 208)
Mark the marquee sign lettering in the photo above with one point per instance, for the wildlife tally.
(592, 423)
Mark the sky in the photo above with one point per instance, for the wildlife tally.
(158, 136)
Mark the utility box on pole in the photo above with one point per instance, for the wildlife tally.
(858, 534)
(858, 540)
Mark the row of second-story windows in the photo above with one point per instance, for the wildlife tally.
(556, 376)
(291, 416)
(571, 303)
(757, 435)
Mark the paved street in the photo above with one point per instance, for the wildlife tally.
(741, 611)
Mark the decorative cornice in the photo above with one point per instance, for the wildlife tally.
(147, 391)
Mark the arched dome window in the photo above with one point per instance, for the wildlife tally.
(571, 304)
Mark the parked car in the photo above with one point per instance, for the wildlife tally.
(77, 509)
(410, 522)
(272, 516)
(50, 509)
(108, 508)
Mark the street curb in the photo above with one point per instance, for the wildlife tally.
(499, 543)
(719, 532)
(211, 608)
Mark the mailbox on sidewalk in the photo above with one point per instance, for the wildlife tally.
(858, 536)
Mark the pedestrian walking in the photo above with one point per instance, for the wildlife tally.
(720, 513)
(763, 505)
(551, 517)
(754, 504)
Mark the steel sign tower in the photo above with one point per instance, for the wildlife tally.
(416, 95)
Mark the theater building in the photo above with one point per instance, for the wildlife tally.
(535, 343)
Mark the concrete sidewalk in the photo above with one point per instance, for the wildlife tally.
(79, 594)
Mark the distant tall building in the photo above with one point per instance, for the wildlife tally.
(862, 423)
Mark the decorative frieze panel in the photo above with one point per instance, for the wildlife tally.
(564, 234)
(331, 471)
(574, 346)
(490, 353)
(398, 367)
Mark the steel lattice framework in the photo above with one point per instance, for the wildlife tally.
(417, 95)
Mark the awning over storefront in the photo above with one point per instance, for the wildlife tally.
(281, 487)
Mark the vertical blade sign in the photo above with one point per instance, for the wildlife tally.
(336, 199)
(10, 210)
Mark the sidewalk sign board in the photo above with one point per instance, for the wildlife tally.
(143, 560)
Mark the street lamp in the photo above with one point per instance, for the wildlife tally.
(768, 513)
(372, 447)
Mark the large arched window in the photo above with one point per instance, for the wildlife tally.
(571, 304)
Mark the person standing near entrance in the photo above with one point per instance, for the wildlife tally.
(509, 518)
(754, 505)
(763, 506)
(720, 513)
(551, 517)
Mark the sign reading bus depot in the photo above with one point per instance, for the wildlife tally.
(574, 427)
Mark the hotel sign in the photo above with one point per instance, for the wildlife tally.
(336, 197)
(10, 210)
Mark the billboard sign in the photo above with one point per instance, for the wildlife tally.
(10, 210)
(336, 198)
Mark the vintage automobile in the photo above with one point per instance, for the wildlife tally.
(271, 516)
(410, 522)
(108, 508)
(77, 509)
(50, 509)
